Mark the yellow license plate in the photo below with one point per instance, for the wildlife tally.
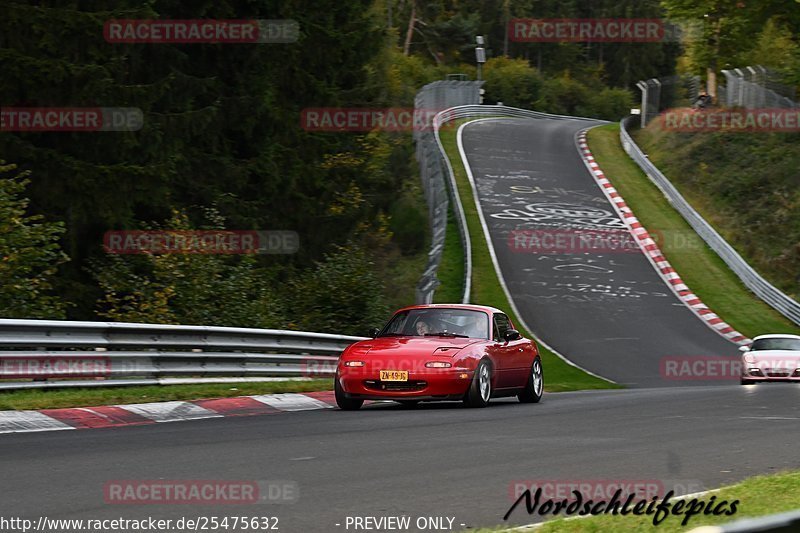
(394, 375)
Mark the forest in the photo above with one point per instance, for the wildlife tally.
(222, 144)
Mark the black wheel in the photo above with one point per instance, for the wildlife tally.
(345, 403)
(534, 388)
(746, 382)
(408, 404)
(480, 390)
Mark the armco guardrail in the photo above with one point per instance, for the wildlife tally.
(752, 279)
(56, 353)
(788, 522)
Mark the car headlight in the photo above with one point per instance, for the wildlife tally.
(749, 358)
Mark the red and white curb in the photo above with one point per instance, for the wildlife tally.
(159, 412)
(652, 251)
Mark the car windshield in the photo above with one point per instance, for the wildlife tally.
(432, 322)
(776, 343)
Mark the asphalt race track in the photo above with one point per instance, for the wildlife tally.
(612, 314)
(438, 460)
(609, 312)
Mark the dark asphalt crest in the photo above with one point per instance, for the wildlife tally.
(609, 312)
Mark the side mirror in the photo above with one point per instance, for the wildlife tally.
(744, 348)
(374, 332)
(512, 335)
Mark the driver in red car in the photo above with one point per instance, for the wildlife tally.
(422, 328)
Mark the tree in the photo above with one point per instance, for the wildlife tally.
(342, 294)
(724, 25)
(776, 49)
(178, 288)
(221, 122)
(511, 81)
(30, 254)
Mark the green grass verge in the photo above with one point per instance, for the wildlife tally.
(89, 396)
(451, 268)
(486, 288)
(700, 267)
(747, 185)
(758, 496)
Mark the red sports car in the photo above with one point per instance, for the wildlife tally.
(441, 352)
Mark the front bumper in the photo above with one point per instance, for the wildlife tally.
(752, 373)
(438, 384)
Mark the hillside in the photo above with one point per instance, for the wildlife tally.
(747, 185)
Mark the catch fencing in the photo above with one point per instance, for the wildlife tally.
(756, 87)
(434, 170)
(753, 87)
(659, 94)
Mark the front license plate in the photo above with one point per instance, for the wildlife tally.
(394, 375)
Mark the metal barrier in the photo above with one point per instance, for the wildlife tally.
(113, 353)
(432, 98)
(752, 279)
(788, 522)
(477, 111)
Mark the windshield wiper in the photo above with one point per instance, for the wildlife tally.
(445, 334)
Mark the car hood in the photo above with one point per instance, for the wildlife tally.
(776, 356)
(410, 346)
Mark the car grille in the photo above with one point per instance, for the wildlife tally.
(778, 372)
(410, 385)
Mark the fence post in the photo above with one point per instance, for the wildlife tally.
(642, 86)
